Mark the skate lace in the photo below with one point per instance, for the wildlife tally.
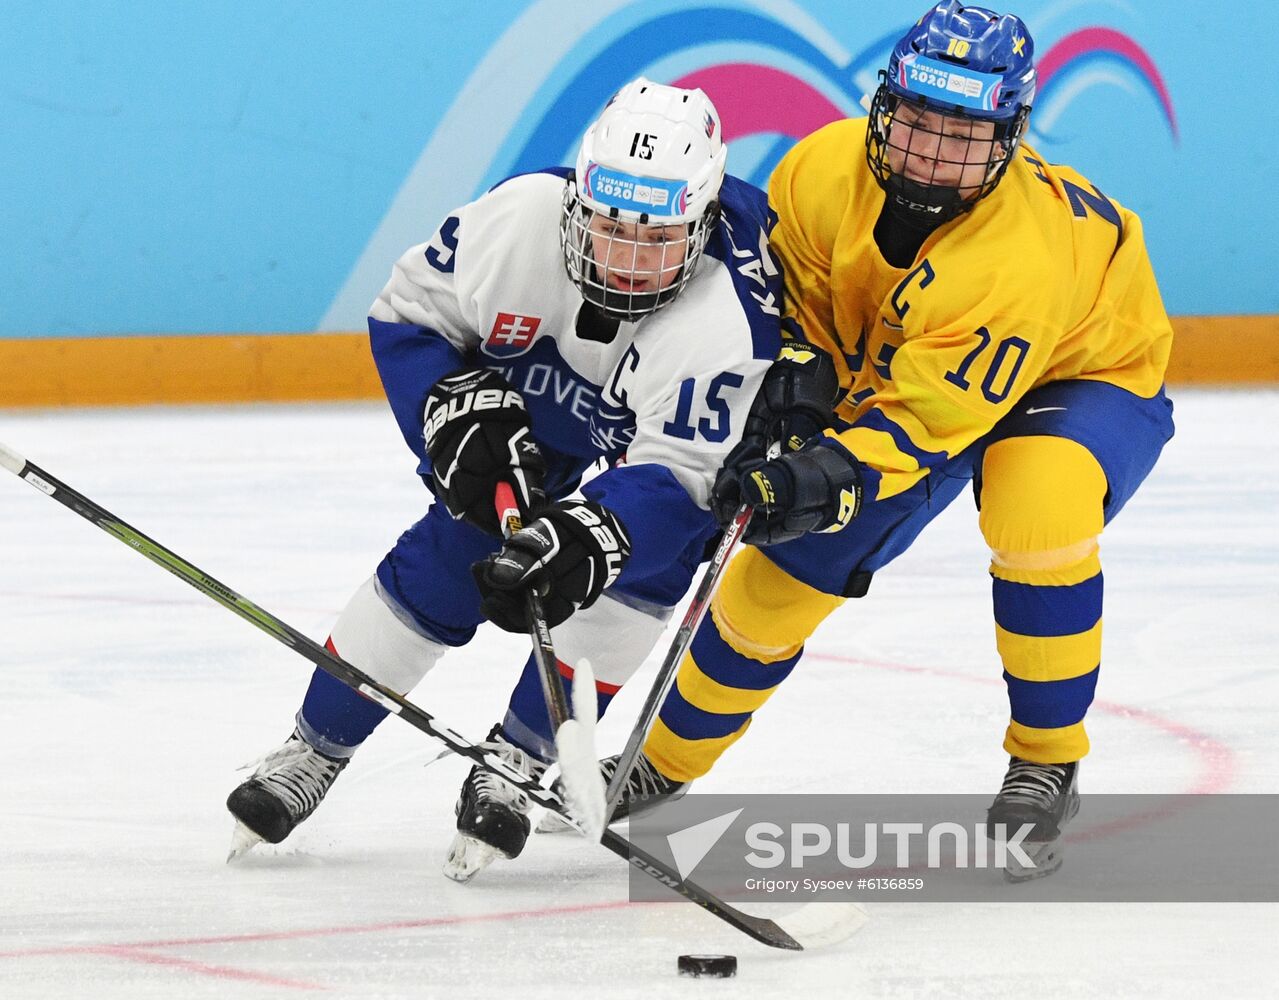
(489, 785)
(1037, 784)
(644, 780)
(299, 774)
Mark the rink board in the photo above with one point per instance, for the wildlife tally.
(127, 371)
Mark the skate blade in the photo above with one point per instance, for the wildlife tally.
(553, 823)
(1047, 858)
(468, 857)
(243, 840)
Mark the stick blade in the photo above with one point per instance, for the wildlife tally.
(821, 924)
(585, 702)
(575, 747)
(581, 778)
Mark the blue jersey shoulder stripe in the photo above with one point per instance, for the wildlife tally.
(744, 208)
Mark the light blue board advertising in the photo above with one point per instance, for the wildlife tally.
(228, 167)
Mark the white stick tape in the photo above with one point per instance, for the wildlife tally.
(11, 460)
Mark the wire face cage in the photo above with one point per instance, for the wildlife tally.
(937, 163)
(629, 268)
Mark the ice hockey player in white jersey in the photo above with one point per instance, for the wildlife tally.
(624, 311)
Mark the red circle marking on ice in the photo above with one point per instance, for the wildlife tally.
(1217, 760)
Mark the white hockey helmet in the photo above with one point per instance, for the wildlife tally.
(654, 159)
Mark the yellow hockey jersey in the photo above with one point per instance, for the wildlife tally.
(1045, 279)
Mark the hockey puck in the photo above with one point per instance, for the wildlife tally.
(708, 966)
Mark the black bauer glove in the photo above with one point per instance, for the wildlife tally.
(818, 488)
(478, 433)
(570, 553)
(794, 404)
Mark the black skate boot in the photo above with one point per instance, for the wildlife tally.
(284, 790)
(492, 815)
(1045, 796)
(646, 789)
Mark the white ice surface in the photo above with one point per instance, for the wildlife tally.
(127, 701)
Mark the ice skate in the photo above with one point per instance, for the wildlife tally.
(646, 789)
(1045, 795)
(492, 815)
(285, 789)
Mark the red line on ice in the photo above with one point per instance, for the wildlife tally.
(133, 954)
(1217, 759)
(137, 950)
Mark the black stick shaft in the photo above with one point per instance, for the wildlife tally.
(548, 670)
(679, 646)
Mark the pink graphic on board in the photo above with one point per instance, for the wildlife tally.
(753, 99)
(1068, 51)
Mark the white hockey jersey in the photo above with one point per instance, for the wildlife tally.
(663, 401)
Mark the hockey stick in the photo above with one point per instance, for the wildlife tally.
(679, 646)
(574, 737)
(797, 936)
(508, 515)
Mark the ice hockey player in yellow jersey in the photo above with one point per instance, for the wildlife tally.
(974, 313)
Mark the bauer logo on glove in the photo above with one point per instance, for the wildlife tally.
(477, 433)
(471, 392)
(604, 536)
